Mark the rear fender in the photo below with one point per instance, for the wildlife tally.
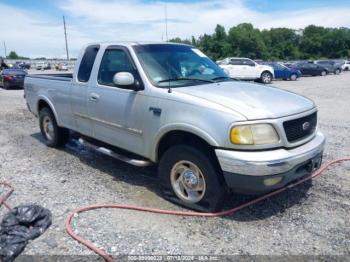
(51, 106)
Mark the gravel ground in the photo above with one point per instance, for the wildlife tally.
(312, 219)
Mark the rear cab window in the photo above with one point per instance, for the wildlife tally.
(87, 62)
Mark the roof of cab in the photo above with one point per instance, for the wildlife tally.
(132, 43)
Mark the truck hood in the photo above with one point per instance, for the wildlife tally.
(253, 101)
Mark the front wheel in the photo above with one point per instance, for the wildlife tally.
(337, 71)
(266, 77)
(190, 178)
(54, 135)
(323, 73)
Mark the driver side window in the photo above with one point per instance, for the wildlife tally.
(248, 62)
(114, 61)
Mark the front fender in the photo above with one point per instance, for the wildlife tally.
(181, 127)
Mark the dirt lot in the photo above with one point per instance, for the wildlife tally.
(312, 219)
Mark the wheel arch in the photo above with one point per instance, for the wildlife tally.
(180, 135)
(45, 102)
(266, 71)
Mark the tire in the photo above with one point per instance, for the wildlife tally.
(54, 135)
(266, 77)
(324, 73)
(6, 86)
(337, 71)
(182, 160)
(293, 77)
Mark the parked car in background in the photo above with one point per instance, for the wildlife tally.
(12, 78)
(22, 65)
(332, 66)
(62, 67)
(43, 66)
(247, 69)
(346, 66)
(206, 131)
(310, 69)
(284, 72)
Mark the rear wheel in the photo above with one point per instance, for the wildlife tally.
(323, 73)
(190, 178)
(337, 71)
(293, 77)
(6, 85)
(54, 135)
(266, 77)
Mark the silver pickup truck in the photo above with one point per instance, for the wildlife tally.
(169, 104)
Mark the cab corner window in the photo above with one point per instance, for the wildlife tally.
(87, 63)
(114, 61)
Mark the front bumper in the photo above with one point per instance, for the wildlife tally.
(251, 171)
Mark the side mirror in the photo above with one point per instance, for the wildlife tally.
(123, 79)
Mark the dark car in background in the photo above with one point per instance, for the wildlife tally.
(10, 78)
(332, 66)
(310, 69)
(284, 72)
(22, 65)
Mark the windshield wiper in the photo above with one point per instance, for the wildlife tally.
(216, 79)
(184, 78)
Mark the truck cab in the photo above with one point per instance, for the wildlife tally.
(169, 105)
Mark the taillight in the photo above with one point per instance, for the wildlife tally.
(10, 77)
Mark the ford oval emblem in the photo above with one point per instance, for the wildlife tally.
(306, 126)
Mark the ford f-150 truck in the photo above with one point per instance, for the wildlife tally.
(169, 104)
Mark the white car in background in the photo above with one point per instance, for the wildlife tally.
(43, 66)
(346, 66)
(247, 69)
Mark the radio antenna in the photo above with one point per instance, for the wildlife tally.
(166, 22)
(65, 36)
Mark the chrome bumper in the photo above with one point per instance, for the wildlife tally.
(264, 163)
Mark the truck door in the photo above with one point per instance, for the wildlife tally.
(79, 89)
(117, 111)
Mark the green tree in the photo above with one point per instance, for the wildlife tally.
(313, 42)
(13, 55)
(245, 40)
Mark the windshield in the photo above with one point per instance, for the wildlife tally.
(278, 66)
(172, 65)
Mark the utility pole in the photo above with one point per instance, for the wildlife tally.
(5, 49)
(65, 36)
(166, 23)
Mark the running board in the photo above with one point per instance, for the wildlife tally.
(108, 152)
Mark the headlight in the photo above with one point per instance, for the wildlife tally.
(258, 134)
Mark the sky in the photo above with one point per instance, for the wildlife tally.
(33, 28)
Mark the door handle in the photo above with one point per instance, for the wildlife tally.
(94, 97)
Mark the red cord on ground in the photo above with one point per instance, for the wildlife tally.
(108, 258)
(231, 211)
(5, 196)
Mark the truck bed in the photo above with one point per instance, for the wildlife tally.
(60, 77)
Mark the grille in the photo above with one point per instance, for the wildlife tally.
(300, 128)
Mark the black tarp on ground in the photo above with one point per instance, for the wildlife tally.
(22, 224)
